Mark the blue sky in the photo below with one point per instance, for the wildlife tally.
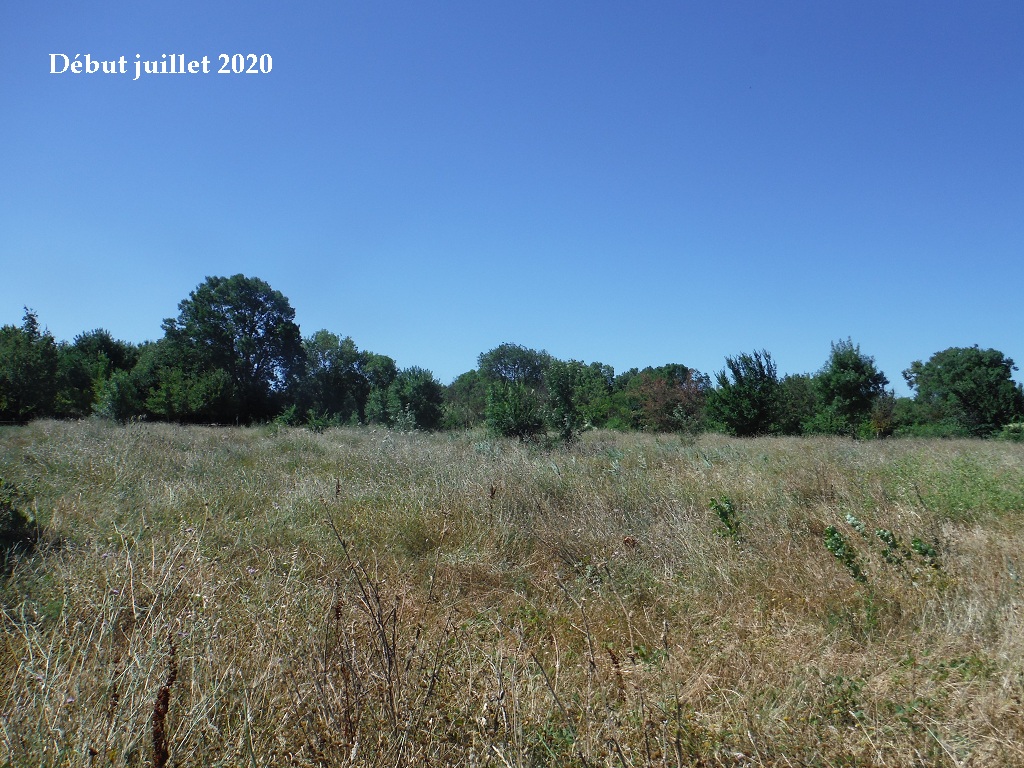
(636, 183)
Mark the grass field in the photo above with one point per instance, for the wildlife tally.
(274, 597)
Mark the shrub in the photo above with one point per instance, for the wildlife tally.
(947, 429)
(882, 421)
(514, 410)
(318, 422)
(1013, 432)
(726, 511)
(118, 398)
(827, 421)
(840, 548)
(565, 382)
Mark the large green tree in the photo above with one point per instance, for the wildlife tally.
(85, 366)
(568, 384)
(669, 398)
(847, 386)
(516, 390)
(747, 399)
(28, 370)
(967, 387)
(235, 339)
(334, 384)
(465, 401)
(512, 363)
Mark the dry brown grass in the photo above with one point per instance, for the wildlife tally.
(363, 597)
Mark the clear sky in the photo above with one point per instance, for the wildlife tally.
(635, 183)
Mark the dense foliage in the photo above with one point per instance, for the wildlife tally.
(969, 389)
(748, 398)
(28, 371)
(847, 387)
(234, 354)
(234, 343)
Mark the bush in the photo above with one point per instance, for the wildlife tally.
(882, 421)
(827, 421)
(318, 422)
(1013, 432)
(118, 398)
(514, 410)
(948, 429)
(565, 382)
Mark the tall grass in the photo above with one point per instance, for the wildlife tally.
(263, 597)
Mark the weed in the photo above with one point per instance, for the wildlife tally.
(926, 551)
(405, 420)
(726, 511)
(892, 551)
(841, 699)
(840, 548)
(317, 422)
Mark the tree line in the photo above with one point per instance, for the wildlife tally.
(234, 355)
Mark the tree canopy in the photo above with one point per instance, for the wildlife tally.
(515, 364)
(972, 388)
(234, 354)
(236, 336)
(847, 386)
(746, 401)
(335, 384)
(28, 370)
(516, 389)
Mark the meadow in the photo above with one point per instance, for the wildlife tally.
(272, 596)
